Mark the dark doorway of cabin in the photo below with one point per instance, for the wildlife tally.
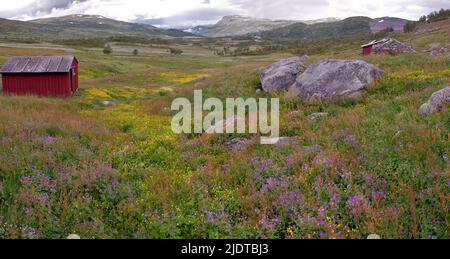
(71, 80)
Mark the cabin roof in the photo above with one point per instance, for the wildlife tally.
(50, 64)
(374, 42)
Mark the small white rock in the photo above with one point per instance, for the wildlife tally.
(373, 236)
(108, 104)
(73, 236)
(315, 116)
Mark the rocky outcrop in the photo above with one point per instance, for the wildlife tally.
(438, 102)
(439, 52)
(391, 46)
(332, 80)
(281, 75)
(436, 50)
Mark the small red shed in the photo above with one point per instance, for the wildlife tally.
(55, 76)
(367, 48)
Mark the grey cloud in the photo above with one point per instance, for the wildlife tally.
(306, 9)
(281, 9)
(201, 16)
(434, 4)
(40, 6)
(211, 13)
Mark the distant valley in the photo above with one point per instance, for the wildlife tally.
(94, 26)
(313, 29)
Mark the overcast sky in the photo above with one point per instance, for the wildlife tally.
(176, 13)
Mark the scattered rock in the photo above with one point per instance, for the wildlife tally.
(281, 75)
(199, 85)
(222, 125)
(374, 236)
(294, 113)
(73, 236)
(391, 46)
(285, 141)
(279, 141)
(446, 158)
(108, 103)
(331, 80)
(434, 45)
(438, 101)
(439, 52)
(238, 144)
(436, 50)
(315, 116)
(166, 110)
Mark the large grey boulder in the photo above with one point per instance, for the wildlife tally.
(331, 80)
(281, 75)
(438, 101)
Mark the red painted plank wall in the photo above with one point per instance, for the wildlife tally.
(367, 50)
(52, 84)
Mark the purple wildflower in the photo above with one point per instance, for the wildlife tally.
(39, 182)
(313, 148)
(378, 195)
(345, 175)
(324, 159)
(42, 198)
(28, 210)
(357, 204)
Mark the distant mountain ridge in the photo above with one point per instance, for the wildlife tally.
(351, 26)
(379, 24)
(95, 26)
(236, 25)
(82, 26)
(219, 29)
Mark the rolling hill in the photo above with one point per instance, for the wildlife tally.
(349, 26)
(95, 26)
(382, 23)
(236, 25)
(82, 26)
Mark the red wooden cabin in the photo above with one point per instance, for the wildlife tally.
(55, 76)
(367, 48)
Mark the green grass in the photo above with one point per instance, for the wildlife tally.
(74, 166)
